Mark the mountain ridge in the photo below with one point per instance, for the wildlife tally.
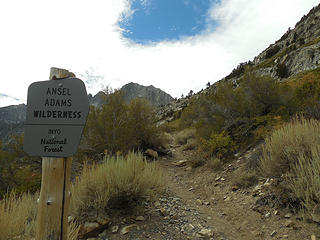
(132, 90)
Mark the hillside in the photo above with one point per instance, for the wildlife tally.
(296, 52)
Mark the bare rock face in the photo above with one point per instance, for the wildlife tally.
(13, 114)
(298, 49)
(11, 120)
(131, 91)
(154, 95)
(167, 113)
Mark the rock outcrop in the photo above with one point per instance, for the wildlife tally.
(296, 51)
(130, 91)
(154, 95)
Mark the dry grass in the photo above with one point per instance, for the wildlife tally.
(17, 216)
(282, 148)
(73, 230)
(117, 181)
(244, 178)
(304, 179)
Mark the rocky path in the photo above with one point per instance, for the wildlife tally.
(201, 204)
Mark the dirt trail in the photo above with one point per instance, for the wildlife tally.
(202, 204)
(231, 213)
(190, 186)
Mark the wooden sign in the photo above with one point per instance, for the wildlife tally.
(56, 114)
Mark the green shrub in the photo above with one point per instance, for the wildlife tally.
(282, 70)
(309, 92)
(272, 51)
(105, 127)
(117, 182)
(141, 132)
(189, 114)
(218, 145)
(18, 170)
(263, 94)
(282, 148)
(117, 126)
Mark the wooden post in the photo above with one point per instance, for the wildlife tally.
(54, 201)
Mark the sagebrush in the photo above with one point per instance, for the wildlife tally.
(293, 154)
(117, 182)
(281, 150)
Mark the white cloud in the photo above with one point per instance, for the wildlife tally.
(83, 36)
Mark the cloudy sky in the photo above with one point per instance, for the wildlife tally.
(176, 45)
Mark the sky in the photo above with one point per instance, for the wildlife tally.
(175, 45)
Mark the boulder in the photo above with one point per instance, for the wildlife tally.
(151, 153)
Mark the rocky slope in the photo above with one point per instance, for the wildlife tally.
(296, 51)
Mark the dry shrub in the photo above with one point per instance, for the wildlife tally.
(215, 164)
(117, 182)
(196, 159)
(293, 153)
(191, 145)
(17, 216)
(244, 178)
(304, 178)
(183, 136)
(282, 148)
